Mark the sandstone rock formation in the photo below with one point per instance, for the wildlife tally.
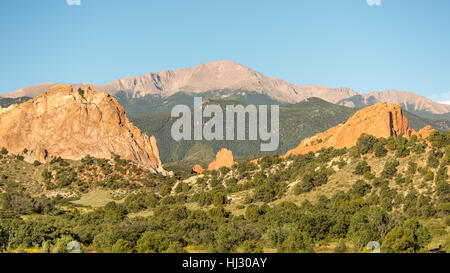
(224, 158)
(379, 120)
(73, 124)
(197, 169)
(425, 132)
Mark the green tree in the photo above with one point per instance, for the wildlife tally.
(360, 188)
(122, 246)
(153, 242)
(390, 168)
(60, 245)
(361, 168)
(365, 143)
(165, 189)
(219, 199)
(103, 242)
(409, 237)
(432, 160)
(379, 149)
(362, 230)
(253, 213)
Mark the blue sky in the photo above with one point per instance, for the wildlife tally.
(400, 44)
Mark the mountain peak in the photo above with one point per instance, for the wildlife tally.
(227, 75)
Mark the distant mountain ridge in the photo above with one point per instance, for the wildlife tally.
(407, 100)
(227, 75)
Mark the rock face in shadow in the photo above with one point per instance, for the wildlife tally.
(379, 120)
(73, 124)
(224, 158)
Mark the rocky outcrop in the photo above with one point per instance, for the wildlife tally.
(224, 158)
(197, 169)
(379, 120)
(74, 124)
(425, 132)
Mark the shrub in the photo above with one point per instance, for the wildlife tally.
(390, 168)
(165, 189)
(361, 168)
(153, 242)
(379, 149)
(365, 143)
(409, 237)
(360, 188)
(432, 160)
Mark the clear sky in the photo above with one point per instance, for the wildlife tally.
(399, 44)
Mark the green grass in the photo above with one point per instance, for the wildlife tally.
(96, 198)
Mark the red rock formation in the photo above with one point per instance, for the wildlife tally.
(71, 125)
(197, 169)
(223, 158)
(425, 132)
(379, 120)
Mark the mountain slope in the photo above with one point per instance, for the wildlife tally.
(220, 75)
(223, 76)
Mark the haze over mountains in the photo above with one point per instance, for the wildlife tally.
(230, 76)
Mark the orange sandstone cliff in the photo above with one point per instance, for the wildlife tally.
(197, 169)
(74, 124)
(379, 120)
(224, 158)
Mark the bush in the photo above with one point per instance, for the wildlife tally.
(361, 168)
(401, 147)
(390, 168)
(46, 174)
(409, 237)
(439, 140)
(379, 149)
(360, 188)
(365, 143)
(122, 246)
(3, 151)
(253, 213)
(153, 242)
(432, 160)
(165, 189)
